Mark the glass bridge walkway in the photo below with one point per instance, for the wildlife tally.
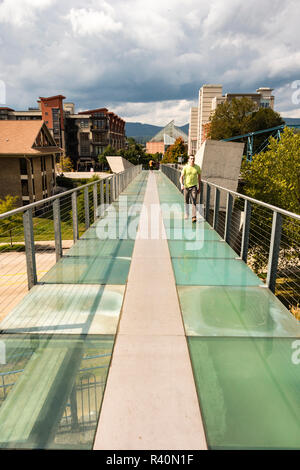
(156, 337)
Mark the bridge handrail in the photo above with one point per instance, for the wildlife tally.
(33, 205)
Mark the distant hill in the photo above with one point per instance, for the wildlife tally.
(292, 121)
(144, 132)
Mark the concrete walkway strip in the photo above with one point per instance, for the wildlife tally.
(150, 402)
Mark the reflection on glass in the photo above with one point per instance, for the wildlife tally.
(51, 389)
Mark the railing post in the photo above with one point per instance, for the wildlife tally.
(274, 251)
(202, 192)
(112, 184)
(86, 208)
(101, 196)
(57, 229)
(207, 204)
(75, 217)
(107, 192)
(95, 200)
(229, 205)
(216, 208)
(246, 231)
(29, 248)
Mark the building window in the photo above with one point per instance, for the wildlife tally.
(25, 190)
(23, 166)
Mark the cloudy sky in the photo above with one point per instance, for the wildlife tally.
(146, 60)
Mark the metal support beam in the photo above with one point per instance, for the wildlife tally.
(274, 251)
(86, 208)
(75, 217)
(216, 208)
(29, 248)
(207, 204)
(57, 229)
(246, 231)
(95, 200)
(229, 205)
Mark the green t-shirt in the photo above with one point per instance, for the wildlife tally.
(190, 174)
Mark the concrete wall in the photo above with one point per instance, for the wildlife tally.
(220, 163)
(118, 164)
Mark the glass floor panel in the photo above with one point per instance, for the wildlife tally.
(52, 389)
(88, 270)
(192, 234)
(213, 272)
(249, 391)
(91, 246)
(207, 249)
(68, 309)
(235, 311)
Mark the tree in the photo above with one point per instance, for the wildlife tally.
(172, 154)
(231, 118)
(134, 152)
(66, 164)
(274, 176)
(9, 224)
(239, 117)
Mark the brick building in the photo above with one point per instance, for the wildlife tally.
(27, 157)
(82, 136)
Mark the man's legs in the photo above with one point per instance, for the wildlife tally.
(193, 194)
(186, 195)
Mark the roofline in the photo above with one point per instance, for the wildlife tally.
(51, 97)
(91, 111)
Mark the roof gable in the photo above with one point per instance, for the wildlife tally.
(23, 137)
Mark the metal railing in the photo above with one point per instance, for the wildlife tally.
(265, 237)
(33, 237)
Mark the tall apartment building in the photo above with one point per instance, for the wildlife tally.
(193, 131)
(210, 96)
(82, 136)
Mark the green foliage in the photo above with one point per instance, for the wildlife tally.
(239, 117)
(9, 224)
(66, 164)
(231, 118)
(172, 154)
(274, 176)
(135, 153)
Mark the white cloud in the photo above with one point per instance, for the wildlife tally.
(86, 22)
(21, 12)
(147, 58)
(158, 113)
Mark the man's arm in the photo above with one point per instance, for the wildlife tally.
(181, 180)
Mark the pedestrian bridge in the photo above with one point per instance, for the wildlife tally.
(148, 333)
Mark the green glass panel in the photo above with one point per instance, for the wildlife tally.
(213, 272)
(203, 249)
(198, 233)
(89, 270)
(67, 308)
(53, 390)
(249, 391)
(101, 248)
(235, 311)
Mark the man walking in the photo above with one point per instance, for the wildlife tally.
(190, 180)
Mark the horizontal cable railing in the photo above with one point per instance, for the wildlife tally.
(34, 237)
(265, 237)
